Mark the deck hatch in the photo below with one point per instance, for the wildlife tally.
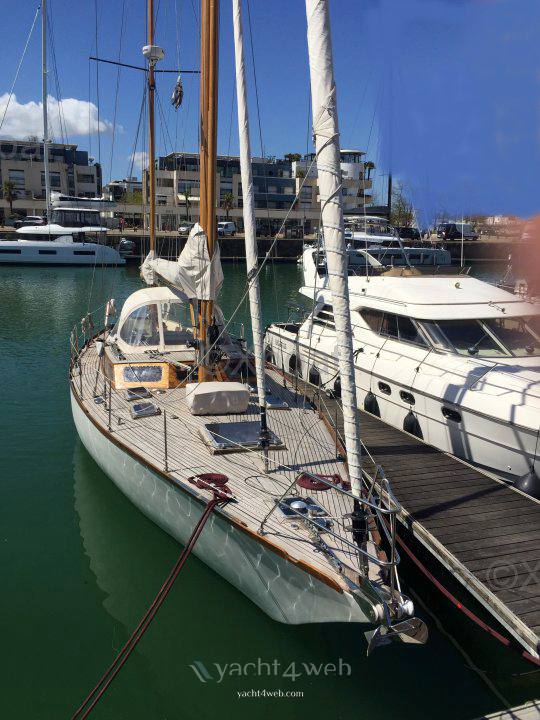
(236, 436)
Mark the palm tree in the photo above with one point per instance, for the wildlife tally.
(228, 203)
(9, 194)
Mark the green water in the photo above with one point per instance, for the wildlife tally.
(80, 565)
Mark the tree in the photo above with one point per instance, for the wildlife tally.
(9, 194)
(368, 167)
(228, 203)
(133, 197)
(402, 214)
(292, 157)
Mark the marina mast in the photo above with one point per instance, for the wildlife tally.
(44, 103)
(208, 157)
(153, 54)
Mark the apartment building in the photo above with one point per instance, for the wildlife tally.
(276, 182)
(71, 172)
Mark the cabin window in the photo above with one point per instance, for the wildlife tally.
(515, 335)
(372, 318)
(533, 322)
(400, 328)
(84, 252)
(142, 327)
(393, 326)
(466, 337)
(408, 332)
(389, 326)
(47, 252)
(325, 317)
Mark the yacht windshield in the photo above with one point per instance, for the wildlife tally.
(141, 327)
(533, 321)
(177, 326)
(516, 335)
(466, 337)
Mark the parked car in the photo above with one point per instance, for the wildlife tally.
(408, 233)
(226, 228)
(29, 220)
(185, 228)
(456, 231)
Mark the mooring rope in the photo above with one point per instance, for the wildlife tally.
(95, 695)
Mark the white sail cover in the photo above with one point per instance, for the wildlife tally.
(326, 135)
(198, 276)
(248, 202)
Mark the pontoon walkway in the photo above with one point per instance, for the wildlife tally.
(486, 533)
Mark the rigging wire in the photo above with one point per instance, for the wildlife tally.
(177, 49)
(60, 106)
(89, 105)
(259, 124)
(117, 88)
(20, 64)
(97, 81)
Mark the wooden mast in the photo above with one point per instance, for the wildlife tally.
(151, 142)
(208, 155)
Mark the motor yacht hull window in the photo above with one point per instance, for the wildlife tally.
(385, 388)
(451, 414)
(407, 397)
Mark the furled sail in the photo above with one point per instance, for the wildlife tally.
(249, 203)
(326, 135)
(198, 276)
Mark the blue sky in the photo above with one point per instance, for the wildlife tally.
(445, 93)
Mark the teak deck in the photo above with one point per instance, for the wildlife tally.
(481, 529)
(308, 446)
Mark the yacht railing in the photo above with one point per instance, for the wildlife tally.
(378, 501)
(376, 509)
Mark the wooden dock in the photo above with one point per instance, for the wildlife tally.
(483, 531)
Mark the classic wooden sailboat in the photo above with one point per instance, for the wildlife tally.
(175, 412)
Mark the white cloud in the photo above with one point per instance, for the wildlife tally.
(79, 117)
(140, 160)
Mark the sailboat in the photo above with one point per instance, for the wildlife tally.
(176, 412)
(72, 233)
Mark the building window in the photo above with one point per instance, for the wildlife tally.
(85, 178)
(165, 182)
(17, 178)
(54, 179)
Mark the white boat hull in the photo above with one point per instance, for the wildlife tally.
(27, 252)
(279, 587)
(503, 448)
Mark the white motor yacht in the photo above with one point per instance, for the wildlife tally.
(75, 235)
(451, 359)
(376, 236)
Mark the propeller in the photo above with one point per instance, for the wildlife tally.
(413, 631)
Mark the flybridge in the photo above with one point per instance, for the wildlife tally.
(61, 201)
